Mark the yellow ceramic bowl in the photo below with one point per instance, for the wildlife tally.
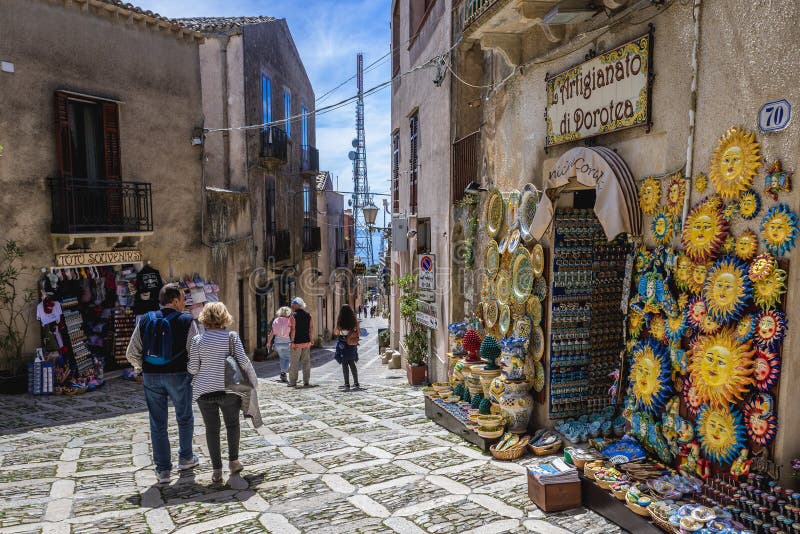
(490, 419)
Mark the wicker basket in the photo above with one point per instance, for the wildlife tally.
(620, 494)
(605, 484)
(589, 470)
(640, 510)
(512, 453)
(663, 523)
(547, 449)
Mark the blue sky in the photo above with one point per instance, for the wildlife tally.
(328, 35)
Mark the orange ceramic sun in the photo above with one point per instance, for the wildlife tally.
(721, 367)
(735, 163)
(705, 230)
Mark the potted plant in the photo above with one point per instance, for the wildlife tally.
(15, 319)
(415, 341)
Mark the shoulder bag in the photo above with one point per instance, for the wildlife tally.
(235, 379)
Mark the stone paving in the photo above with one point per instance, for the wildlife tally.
(324, 461)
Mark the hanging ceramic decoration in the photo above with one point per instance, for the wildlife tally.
(727, 290)
(675, 326)
(492, 258)
(502, 246)
(649, 195)
(777, 180)
(537, 255)
(762, 266)
(522, 275)
(779, 229)
(734, 163)
(766, 369)
(662, 228)
(636, 322)
(517, 308)
(538, 376)
(676, 192)
(746, 245)
(770, 329)
(533, 307)
(502, 287)
(495, 208)
(705, 230)
(760, 419)
(745, 328)
(490, 313)
(749, 204)
(696, 312)
(513, 241)
(729, 246)
(682, 271)
(700, 183)
(709, 325)
(650, 376)
(721, 368)
(527, 210)
(767, 292)
(690, 397)
(699, 275)
(540, 288)
(537, 343)
(721, 433)
(658, 329)
(523, 327)
(504, 321)
(512, 209)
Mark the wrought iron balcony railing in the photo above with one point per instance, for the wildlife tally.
(278, 246)
(83, 206)
(473, 9)
(312, 241)
(274, 145)
(310, 160)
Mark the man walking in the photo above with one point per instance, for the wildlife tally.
(301, 332)
(159, 349)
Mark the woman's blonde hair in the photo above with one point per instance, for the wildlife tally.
(215, 316)
(283, 311)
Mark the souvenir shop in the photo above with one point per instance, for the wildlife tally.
(88, 308)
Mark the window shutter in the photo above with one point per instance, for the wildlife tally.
(111, 141)
(63, 141)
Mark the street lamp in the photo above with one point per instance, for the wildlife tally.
(370, 213)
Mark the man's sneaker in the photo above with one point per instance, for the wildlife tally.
(163, 476)
(235, 466)
(216, 476)
(283, 377)
(183, 465)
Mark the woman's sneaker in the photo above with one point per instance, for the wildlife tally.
(235, 467)
(183, 465)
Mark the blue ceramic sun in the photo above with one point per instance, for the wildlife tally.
(662, 228)
(676, 326)
(745, 327)
(651, 376)
(721, 432)
(727, 289)
(779, 229)
(749, 204)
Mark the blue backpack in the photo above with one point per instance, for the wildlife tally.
(156, 333)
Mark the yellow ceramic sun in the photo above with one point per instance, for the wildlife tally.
(746, 245)
(658, 329)
(767, 291)
(635, 323)
(705, 230)
(729, 245)
(779, 229)
(721, 367)
(749, 205)
(727, 289)
(700, 183)
(683, 301)
(721, 433)
(649, 195)
(698, 276)
(708, 325)
(735, 163)
(682, 272)
(676, 192)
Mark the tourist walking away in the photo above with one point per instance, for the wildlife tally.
(279, 338)
(159, 350)
(207, 362)
(348, 330)
(301, 332)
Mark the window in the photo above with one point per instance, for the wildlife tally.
(287, 111)
(413, 163)
(396, 40)
(306, 201)
(304, 125)
(423, 236)
(396, 172)
(416, 15)
(87, 138)
(266, 100)
(270, 220)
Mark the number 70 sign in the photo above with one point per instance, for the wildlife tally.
(774, 116)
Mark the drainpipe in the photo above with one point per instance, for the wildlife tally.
(692, 110)
(226, 140)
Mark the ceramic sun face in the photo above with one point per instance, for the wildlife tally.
(709, 325)
(658, 328)
(682, 271)
(749, 204)
(676, 192)
(721, 368)
(676, 326)
(650, 376)
(767, 292)
(746, 245)
(662, 228)
(760, 419)
(696, 312)
(635, 323)
(745, 328)
(690, 397)
(762, 266)
(770, 329)
(766, 369)
(727, 289)
(735, 163)
(721, 433)
(779, 229)
(697, 280)
(700, 183)
(649, 195)
(705, 230)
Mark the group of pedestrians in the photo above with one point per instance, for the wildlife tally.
(292, 336)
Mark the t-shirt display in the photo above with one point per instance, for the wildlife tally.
(48, 311)
(148, 285)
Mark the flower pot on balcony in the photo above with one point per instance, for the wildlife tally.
(416, 373)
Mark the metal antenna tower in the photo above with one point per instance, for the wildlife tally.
(361, 196)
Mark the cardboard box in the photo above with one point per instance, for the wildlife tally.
(554, 497)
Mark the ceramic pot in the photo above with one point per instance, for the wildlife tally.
(416, 374)
(512, 365)
(486, 377)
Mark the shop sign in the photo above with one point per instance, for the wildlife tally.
(427, 296)
(607, 93)
(774, 116)
(426, 315)
(427, 272)
(107, 257)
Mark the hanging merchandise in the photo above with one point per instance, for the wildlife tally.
(760, 419)
(705, 230)
(492, 259)
(766, 369)
(682, 273)
(768, 290)
(721, 433)
(779, 229)
(777, 180)
(734, 163)
(721, 368)
(770, 329)
(495, 208)
(676, 193)
(522, 275)
(662, 228)
(727, 289)
(691, 396)
(700, 183)
(148, 285)
(745, 327)
(650, 376)
(527, 210)
(749, 204)
(649, 195)
(746, 245)
(512, 211)
(697, 277)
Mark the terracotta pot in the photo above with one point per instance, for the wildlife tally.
(416, 374)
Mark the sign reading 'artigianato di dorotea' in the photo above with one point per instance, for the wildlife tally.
(607, 93)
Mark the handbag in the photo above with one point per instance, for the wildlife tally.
(235, 379)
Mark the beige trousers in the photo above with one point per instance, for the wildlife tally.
(300, 357)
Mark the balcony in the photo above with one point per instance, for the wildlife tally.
(274, 146)
(309, 163)
(312, 241)
(466, 158)
(278, 246)
(342, 258)
(83, 207)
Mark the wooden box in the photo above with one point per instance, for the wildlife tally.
(554, 497)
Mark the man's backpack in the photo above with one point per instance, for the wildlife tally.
(156, 333)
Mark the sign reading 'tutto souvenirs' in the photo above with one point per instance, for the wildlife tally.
(607, 93)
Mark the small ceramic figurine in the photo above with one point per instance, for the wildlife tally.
(777, 180)
(741, 465)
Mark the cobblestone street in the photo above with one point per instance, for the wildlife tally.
(324, 461)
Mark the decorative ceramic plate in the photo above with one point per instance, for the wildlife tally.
(534, 308)
(495, 208)
(527, 210)
(538, 379)
(540, 289)
(518, 309)
(492, 259)
(512, 211)
(513, 241)
(522, 275)
(490, 312)
(502, 288)
(502, 246)
(504, 319)
(522, 327)
(537, 255)
(537, 342)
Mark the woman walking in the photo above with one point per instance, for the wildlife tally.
(207, 356)
(279, 338)
(348, 330)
